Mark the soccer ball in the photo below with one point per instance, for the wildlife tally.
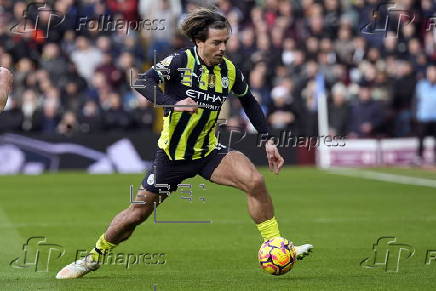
(277, 256)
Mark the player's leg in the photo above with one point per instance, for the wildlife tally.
(236, 170)
(120, 229)
(125, 222)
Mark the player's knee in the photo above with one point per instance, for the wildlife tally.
(144, 206)
(255, 182)
(258, 180)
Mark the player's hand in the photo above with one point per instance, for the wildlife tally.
(6, 80)
(275, 160)
(188, 105)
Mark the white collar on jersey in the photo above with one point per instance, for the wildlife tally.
(196, 55)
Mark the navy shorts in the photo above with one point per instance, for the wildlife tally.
(168, 172)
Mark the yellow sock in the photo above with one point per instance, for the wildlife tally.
(269, 229)
(102, 247)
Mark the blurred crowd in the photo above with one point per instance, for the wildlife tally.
(74, 60)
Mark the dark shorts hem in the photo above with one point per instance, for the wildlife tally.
(165, 174)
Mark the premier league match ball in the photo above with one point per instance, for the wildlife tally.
(277, 256)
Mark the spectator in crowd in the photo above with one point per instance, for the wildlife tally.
(403, 91)
(116, 118)
(29, 107)
(310, 109)
(71, 96)
(131, 45)
(126, 65)
(113, 76)
(12, 119)
(143, 114)
(90, 118)
(426, 109)
(68, 125)
(280, 115)
(233, 51)
(128, 8)
(53, 62)
(272, 41)
(165, 16)
(258, 83)
(104, 45)
(24, 68)
(282, 112)
(6, 61)
(339, 111)
(50, 116)
(99, 90)
(366, 114)
(344, 45)
(86, 57)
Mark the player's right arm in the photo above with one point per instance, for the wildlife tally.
(164, 71)
(187, 104)
(5, 86)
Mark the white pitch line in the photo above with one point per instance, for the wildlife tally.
(393, 178)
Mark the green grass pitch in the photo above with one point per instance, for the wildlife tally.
(341, 216)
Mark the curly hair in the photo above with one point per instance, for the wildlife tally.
(196, 25)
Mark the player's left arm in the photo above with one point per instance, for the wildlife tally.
(257, 118)
(5, 86)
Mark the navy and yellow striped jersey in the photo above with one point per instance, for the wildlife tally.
(190, 136)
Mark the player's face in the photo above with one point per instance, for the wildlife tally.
(212, 50)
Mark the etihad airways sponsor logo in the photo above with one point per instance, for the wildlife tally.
(205, 96)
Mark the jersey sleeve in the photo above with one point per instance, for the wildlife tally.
(167, 69)
(164, 71)
(240, 87)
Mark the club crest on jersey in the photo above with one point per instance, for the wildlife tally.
(150, 180)
(225, 82)
(211, 81)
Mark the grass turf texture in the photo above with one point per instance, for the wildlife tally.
(341, 216)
